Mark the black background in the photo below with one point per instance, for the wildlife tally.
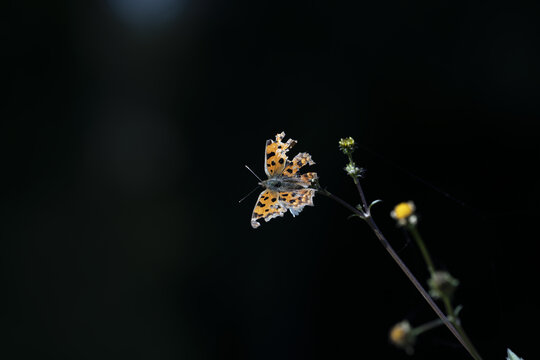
(126, 129)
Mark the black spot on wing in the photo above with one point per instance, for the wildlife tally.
(269, 155)
(289, 170)
(281, 160)
(260, 204)
(274, 199)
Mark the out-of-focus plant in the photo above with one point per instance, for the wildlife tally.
(441, 284)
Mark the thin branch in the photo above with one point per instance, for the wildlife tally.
(367, 217)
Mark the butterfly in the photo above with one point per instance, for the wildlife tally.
(285, 189)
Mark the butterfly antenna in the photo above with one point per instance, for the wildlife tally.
(247, 167)
(249, 193)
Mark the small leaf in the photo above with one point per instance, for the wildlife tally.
(512, 356)
(374, 202)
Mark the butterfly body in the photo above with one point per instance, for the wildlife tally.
(284, 183)
(285, 189)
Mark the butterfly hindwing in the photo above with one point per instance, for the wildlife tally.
(308, 177)
(267, 207)
(295, 200)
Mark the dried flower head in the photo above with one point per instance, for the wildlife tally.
(401, 335)
(442, 284)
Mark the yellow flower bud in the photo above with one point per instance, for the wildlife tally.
(347, 145)
(404, 213)
(401, 335)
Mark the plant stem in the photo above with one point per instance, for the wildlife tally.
(423, 249)
(367, 217)
(356, 180)
(450, 311)
(452, 316)
(427, 326)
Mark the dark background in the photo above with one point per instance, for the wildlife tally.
(126, 128)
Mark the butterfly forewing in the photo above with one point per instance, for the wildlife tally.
(297, 163)
(276, 155)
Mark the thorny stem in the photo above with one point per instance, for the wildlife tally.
(369, 220)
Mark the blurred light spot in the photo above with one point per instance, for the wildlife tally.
(146, 13)
(134, 150)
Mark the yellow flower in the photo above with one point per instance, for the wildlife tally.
(401, 336)
(404, 213)
(347, 145)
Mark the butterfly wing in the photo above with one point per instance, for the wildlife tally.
(307, 178)
(296, 200)
(297, 163)
(267, 207)
(275, 156)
